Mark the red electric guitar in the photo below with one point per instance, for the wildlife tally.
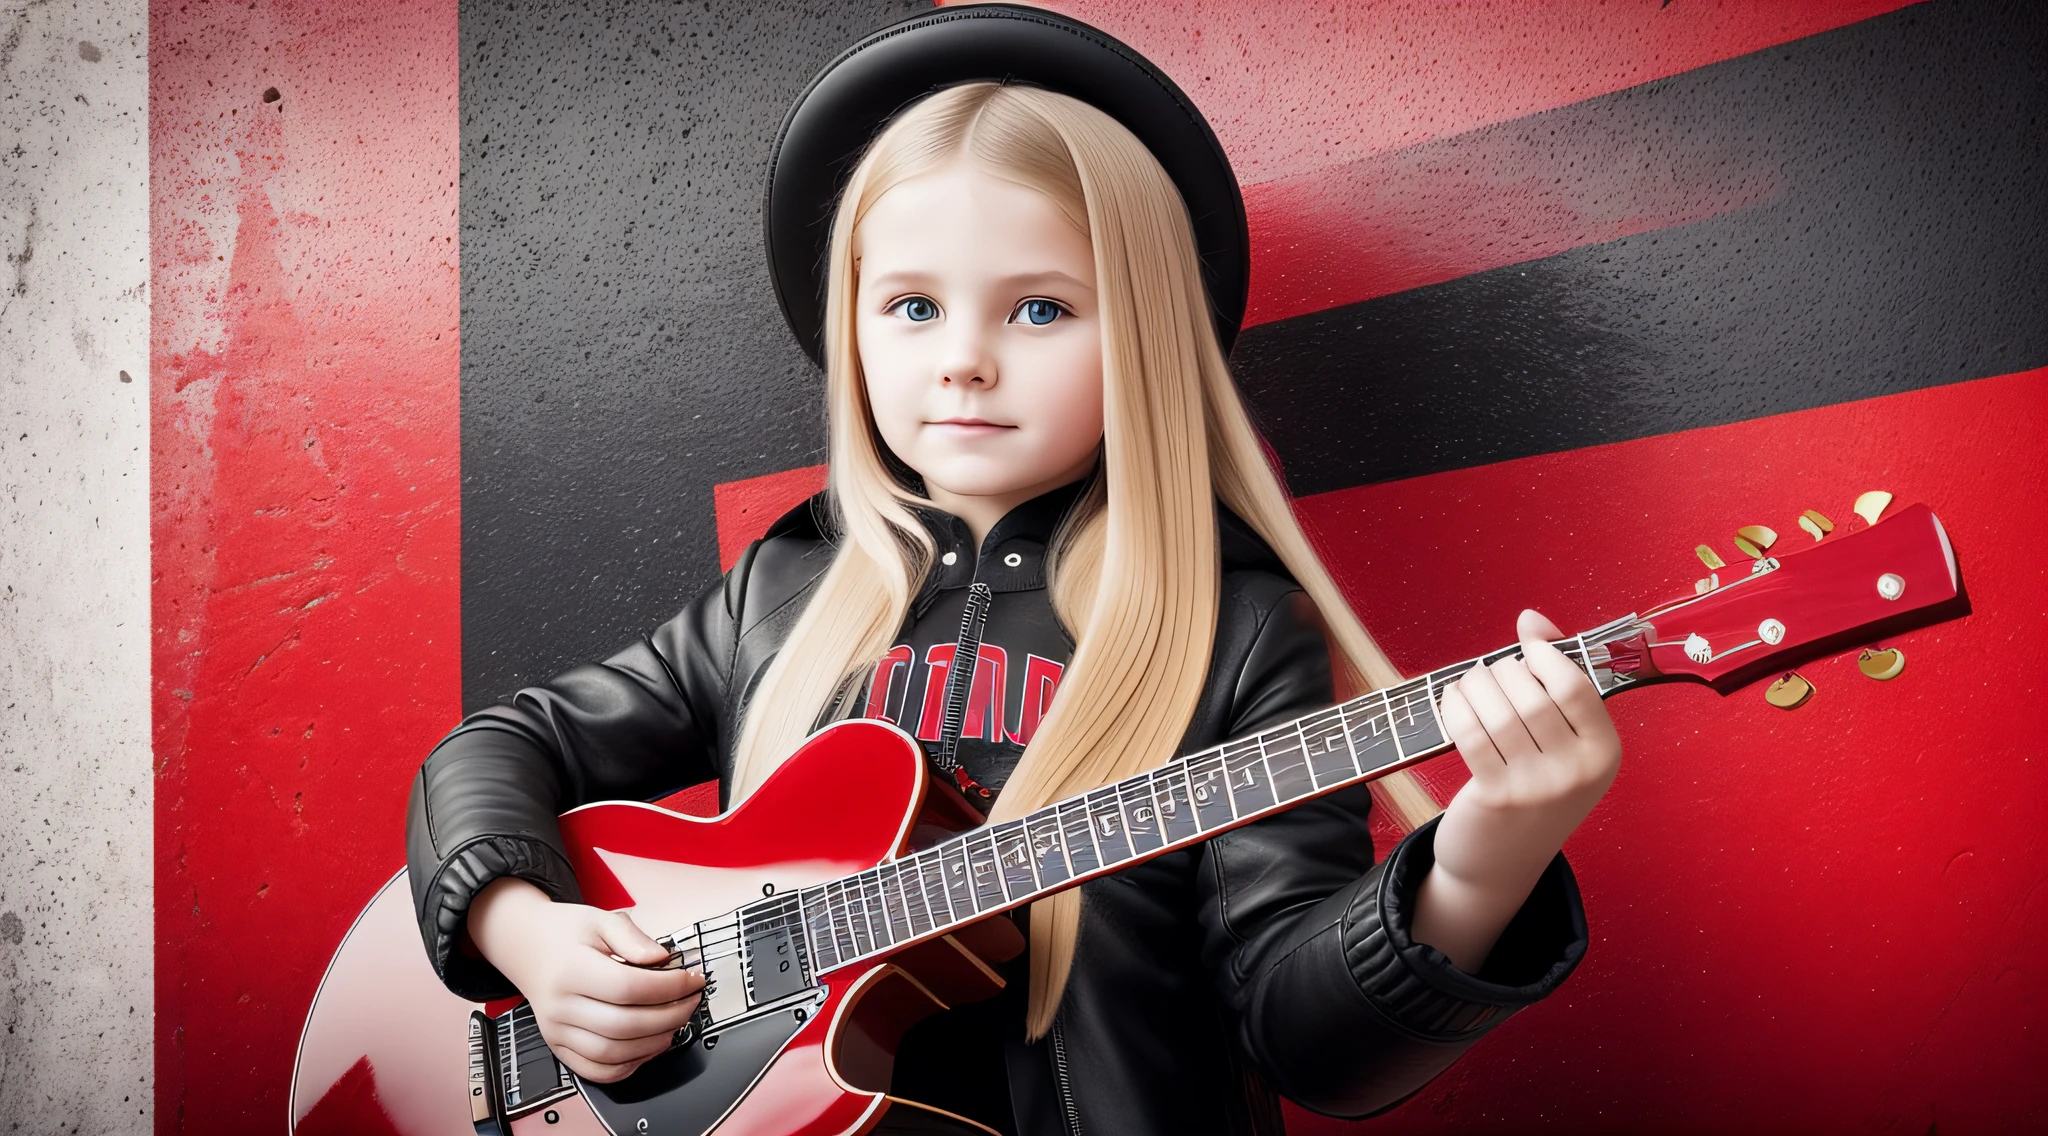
(823, 936)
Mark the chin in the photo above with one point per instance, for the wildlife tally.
(978, 481)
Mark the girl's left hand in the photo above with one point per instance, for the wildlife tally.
(1542, 751)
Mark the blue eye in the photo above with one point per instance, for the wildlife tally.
(917, 309)
(1038, 312)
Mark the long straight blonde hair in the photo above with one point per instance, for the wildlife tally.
(1134, 571)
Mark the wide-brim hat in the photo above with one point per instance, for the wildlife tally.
(854, 97)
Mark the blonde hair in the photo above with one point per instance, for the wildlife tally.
(1134, 571)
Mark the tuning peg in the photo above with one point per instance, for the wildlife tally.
(1754, 540)
(1882, 665)
(1790, 692)
(1815, 524)
(1710, 558)
(1871, 505)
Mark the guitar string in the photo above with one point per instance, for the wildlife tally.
(1409, 696)
(753, 922)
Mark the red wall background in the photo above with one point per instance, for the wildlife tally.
(1828, 920)
(306, 505)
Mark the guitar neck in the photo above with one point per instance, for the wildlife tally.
(1008, 865)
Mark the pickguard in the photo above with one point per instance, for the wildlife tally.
(688, 1090)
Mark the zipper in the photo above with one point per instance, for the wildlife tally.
(959, 687)
(1066, 1087)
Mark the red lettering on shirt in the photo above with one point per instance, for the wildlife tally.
(984, 701)
(1041, 682)
(897, 659)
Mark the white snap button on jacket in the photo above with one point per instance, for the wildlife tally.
(949, 559)
(1013, 560)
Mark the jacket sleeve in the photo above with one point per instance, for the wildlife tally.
(1309, 941)
(640, 724)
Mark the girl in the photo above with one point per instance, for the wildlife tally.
(1027, 391)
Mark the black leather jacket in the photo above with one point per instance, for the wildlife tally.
(1274, 955)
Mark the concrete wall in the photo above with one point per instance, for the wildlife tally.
(76, 966)
(1542, 298)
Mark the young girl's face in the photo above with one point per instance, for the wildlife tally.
(979, 337)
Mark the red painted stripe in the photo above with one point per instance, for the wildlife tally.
(1295, 86)
(746, 508)
(1832, 918)
(1496, 196)
(1829, 917)
(1396, 160)
(305, 512)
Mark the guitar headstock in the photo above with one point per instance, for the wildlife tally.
(1850, 588)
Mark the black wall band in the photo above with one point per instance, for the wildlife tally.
(1906, 246)
(622, 350)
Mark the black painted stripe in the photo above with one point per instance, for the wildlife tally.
(1903, 248)
(621, 348)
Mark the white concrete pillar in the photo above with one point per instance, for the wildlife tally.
(76, 934)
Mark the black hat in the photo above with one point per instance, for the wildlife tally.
(846, 106)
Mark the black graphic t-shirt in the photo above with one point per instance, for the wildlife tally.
(1024, 649)
(954, 1059)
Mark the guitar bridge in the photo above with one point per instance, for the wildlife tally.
(512, 1072)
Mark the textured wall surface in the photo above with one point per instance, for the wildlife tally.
(75, 971)
(624, 350)
(305, 505)
(1543, 296)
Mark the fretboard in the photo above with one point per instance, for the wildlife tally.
(1007, 865)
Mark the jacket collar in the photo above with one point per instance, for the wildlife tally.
(1025, 532)
(1012, 559)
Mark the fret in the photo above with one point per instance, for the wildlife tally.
(829, 929)
(1176, 812)
(1048, 851)
(1414, 715)
(1013, 853)
(894, 909)
(1244, 764)
(1209, 788)
(859, 939)
(1444, 676)
(873, 909)
(819, 939)
(1082, 854)
(1329, 750)
(931, 876)
(1141, 817)
(1371, 731)
(914, 904)
(959, 880)
(1287, 764)
(844, 926)
(1106, 825)
(983, 864)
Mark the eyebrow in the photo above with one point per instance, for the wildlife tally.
(889, 281)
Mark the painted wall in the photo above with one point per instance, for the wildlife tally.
(1543, 296)
(305, 509)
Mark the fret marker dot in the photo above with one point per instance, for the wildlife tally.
(950, 559)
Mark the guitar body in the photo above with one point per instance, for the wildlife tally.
(386, 1046)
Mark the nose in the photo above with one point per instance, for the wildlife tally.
(967, 361)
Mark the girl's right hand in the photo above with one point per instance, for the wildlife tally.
(602, 1017)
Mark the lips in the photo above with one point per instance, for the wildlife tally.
(971, 426)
